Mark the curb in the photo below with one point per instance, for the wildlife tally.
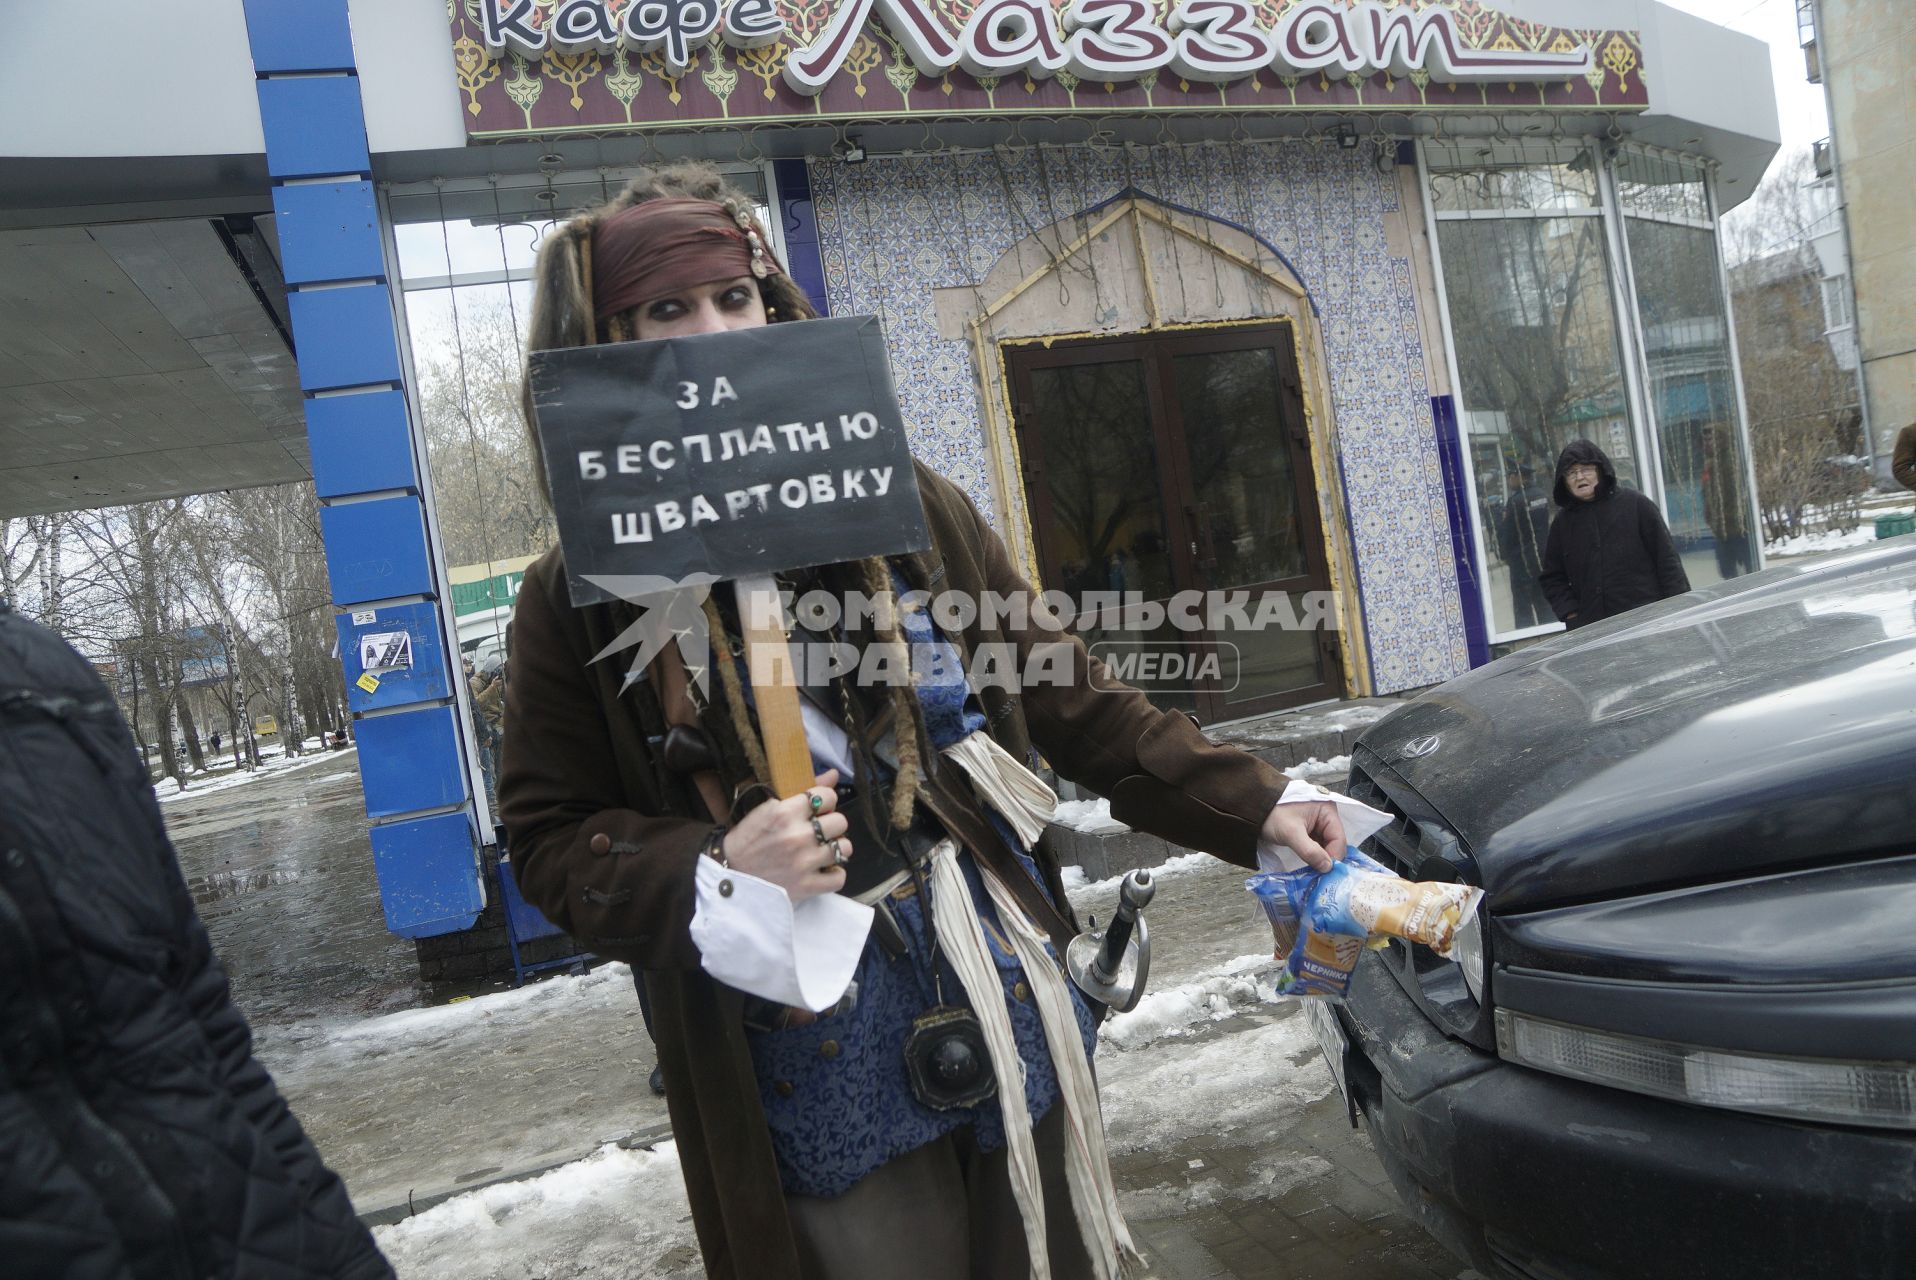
(416, 1204)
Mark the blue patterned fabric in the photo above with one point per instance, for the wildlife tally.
(835, 1092)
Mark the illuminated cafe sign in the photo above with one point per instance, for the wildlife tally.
(1216, 41)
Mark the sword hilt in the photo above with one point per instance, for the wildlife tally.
(1133, 896)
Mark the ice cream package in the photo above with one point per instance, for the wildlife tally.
(1328, 918)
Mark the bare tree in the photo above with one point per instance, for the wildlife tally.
(485, 485)
(33, 565)
(1790, 207)
(1803, 402)
(131, 588)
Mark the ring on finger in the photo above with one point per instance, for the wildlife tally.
(818, 831)
(838, 854)
(818, 801)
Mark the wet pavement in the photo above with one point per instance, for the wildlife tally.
(282, 872)
(1232, 1153)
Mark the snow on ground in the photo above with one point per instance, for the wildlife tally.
(1810, 544)
(1356, 715)
(304, 1047)
(1183, 864)
(1175, 1097)
(624, 1213)
(1090, 816)
(616, 1213)
(166, 790)
(1215, 995)
(1315, 768)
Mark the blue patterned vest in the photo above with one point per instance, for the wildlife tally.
(835, 1091)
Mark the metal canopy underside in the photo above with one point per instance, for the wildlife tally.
(137, 361)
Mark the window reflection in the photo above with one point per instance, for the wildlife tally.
(1502, 176)
(1686, 340)
(1249, 527)
(1541, 365)
(1102, 485)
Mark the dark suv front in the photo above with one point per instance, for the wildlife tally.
(1681, 1039)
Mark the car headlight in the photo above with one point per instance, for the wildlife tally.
(1467, 949)
(1878, 1094)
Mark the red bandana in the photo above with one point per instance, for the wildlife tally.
(660, 247)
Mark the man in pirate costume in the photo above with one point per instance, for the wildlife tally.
(940, 1118)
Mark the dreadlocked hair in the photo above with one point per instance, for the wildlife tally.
(907, 718)
(734, 695)
(562, 311)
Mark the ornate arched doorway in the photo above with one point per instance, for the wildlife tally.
(1161, 443)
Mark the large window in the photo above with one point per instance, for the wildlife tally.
(466, 250)
(1691, 383)
(1532, 309)
(1585, 300)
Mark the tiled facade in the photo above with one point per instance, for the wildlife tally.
(891, 230)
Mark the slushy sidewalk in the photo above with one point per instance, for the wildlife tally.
(520, 1122)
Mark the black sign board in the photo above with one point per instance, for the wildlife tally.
(726, 454)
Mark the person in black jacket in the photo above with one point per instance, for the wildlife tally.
(139, 1137)
(1609, 550)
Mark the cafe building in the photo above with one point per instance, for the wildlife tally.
(1292, 298)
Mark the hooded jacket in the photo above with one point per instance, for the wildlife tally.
(1610, 554)
(139, 1137)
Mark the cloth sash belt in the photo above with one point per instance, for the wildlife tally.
(1024, 801)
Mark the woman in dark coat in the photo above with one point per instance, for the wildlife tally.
(638, 818)
(1609, 549)
(139, 1136)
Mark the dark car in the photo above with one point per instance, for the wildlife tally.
(1680, 1039)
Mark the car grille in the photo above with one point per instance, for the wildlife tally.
(1419, 846)
(1396, 845)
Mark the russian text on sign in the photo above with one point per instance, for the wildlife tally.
(1209, 40)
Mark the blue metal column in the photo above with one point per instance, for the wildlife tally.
(364, 468)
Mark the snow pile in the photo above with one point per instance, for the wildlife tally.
(305, 1046)
(1242, 1079)
(1219, 993)
(1315, 768)
(1183, 864)
(1809, 544)
(1093, 817)
(1355, 716)
(166, 790)
(615, 1213)
(1169, 1099)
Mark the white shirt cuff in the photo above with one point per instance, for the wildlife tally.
(751, 937)
(1360, 821)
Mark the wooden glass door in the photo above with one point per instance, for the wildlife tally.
(1164, 466)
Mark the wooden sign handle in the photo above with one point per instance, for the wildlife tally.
(766, 655)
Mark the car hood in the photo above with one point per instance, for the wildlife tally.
(1757, 726)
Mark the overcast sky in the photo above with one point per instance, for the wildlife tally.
(1798, 102)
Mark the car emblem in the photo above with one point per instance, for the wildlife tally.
(1418, 748)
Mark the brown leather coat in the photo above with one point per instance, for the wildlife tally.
(577, 764)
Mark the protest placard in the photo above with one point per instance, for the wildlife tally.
(730, 454)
